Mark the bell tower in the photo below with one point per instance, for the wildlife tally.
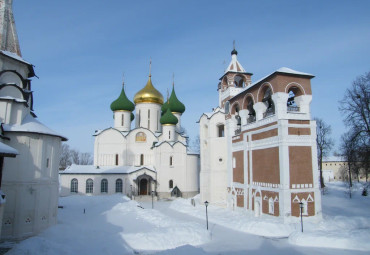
(234, 80)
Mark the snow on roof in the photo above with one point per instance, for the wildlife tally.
(291, 71)
(91, 169)
(210, 114)
(333, 159)
(13, 98)
(31, 125)
(7, 150)
(170, 143)
(15, 56)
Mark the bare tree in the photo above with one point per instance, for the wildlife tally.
(86, 158)
(356, 106)
(348, 149)
(75, 156)
(195, 145)
(324, 144)
(65, 157)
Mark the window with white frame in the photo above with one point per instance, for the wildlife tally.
(104, 186)
(89, 186)
(74, 185)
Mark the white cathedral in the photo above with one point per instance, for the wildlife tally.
(152, 158)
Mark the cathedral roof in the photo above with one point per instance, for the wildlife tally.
(168, 118)
(173, 103)
(234, 65)
(31, 125)
(148, 94)
(122, 103)
(90, 169)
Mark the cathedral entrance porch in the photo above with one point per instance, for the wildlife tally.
(145, 185)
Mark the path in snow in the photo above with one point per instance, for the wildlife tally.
(225, 240)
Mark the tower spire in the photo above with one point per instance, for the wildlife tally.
(8, 33)
(123, 79)
(173, 79)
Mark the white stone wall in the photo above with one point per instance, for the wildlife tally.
(65, 183)
(30, 182)
(214, 160)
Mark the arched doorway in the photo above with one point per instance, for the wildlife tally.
(143, 187)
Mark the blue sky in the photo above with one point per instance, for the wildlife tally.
(81, 48)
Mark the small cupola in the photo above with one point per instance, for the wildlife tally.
(173, 103)
(122, 103)
(168, 118)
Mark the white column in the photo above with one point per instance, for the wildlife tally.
(260, 108)
(303, 102)
(280, 100)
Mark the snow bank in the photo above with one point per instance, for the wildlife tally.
(265, 225)
(357, 239)
(164, 232)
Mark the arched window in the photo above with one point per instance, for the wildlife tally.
(239, 81)
(235, 109)
(104, 186)
(119, 186)
(291, 104)
(220, 130)
(122, 120)
(171, 184)
(141, 159)
(227, 107)
(89, 186)
(171, 160)
(140, 137)
(116, 159)
(74, 186)
(251, 112)
(267, 99)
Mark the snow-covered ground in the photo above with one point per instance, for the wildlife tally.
(116, 225)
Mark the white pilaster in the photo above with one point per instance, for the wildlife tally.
(260, 108)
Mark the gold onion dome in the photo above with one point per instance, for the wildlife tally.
(148, 94)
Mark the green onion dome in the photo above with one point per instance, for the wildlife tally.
(173, 103)
(164, 107)
(168, 118)
(132, 116)
(122, 103)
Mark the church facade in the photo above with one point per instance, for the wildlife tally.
(151, 157)
(258, 147)
(29, 184)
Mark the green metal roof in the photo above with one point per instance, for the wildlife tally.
(122, 103)
(168, 118)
